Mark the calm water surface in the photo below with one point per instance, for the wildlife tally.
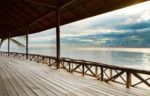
(139, 60)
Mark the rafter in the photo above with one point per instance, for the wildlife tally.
(14, 12)
(20, 11)
(67, 2)
(10, 14)
(7, 18)
(35, 12)
(50, 13)
(40, 2)
(71, 12)
(10, 23)
(101, 2)
(6, 33)
(84, 8)
(40, 18)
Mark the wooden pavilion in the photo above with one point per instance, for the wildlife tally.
(23, 17)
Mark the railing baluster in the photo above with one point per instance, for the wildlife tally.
(83, 69)
(110, 73)
(97, 70)
(128, 83)
(102, 74)
(69, 66)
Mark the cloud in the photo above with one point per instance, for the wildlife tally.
(134, 26)
(130, 38)
(128, 27)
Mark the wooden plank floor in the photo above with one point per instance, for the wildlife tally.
(25, 78)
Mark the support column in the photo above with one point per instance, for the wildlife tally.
(27, 42)
(8, 44)
(58, 37)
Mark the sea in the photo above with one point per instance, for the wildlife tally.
(138, 58)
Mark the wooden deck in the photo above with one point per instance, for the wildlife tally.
(25, 78)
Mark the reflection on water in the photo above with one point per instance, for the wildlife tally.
(139, 60)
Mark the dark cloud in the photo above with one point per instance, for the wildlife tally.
(126, 39)
(134, 26)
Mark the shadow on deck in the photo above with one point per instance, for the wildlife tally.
(25, 78)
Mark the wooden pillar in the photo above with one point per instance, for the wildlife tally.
(8, 44)
(27, 32)
(58, 37)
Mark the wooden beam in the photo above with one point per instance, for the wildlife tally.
(9, 23)
(27, 32)
(42, 4)
(133, 85)
(51, 12)
(13, 31)
(67, 3)
(115, 76)
(141, 78)
(58, 37)
(35, 12)
(55, 4)
(75, 68)
(7, 17)
(47, 14)
(10, 14)
(89, 69)
(14, 12)
(87, 12)
(101, 3)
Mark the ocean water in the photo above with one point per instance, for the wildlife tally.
(127, 57)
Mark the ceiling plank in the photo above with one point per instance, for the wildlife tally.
(41, 3)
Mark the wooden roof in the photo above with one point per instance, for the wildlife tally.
(40, 14)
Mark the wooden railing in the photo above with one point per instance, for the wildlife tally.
(104, 72)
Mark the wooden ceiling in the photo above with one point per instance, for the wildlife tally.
(39, 15)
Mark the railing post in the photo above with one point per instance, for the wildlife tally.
(96, 71)
(128, 83)
(83, 70)
(102, 74)
(110, 73)
(69, 66)
(49, 61)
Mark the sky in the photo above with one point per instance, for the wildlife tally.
(127, 27)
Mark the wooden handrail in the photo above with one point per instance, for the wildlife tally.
(94, 69)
